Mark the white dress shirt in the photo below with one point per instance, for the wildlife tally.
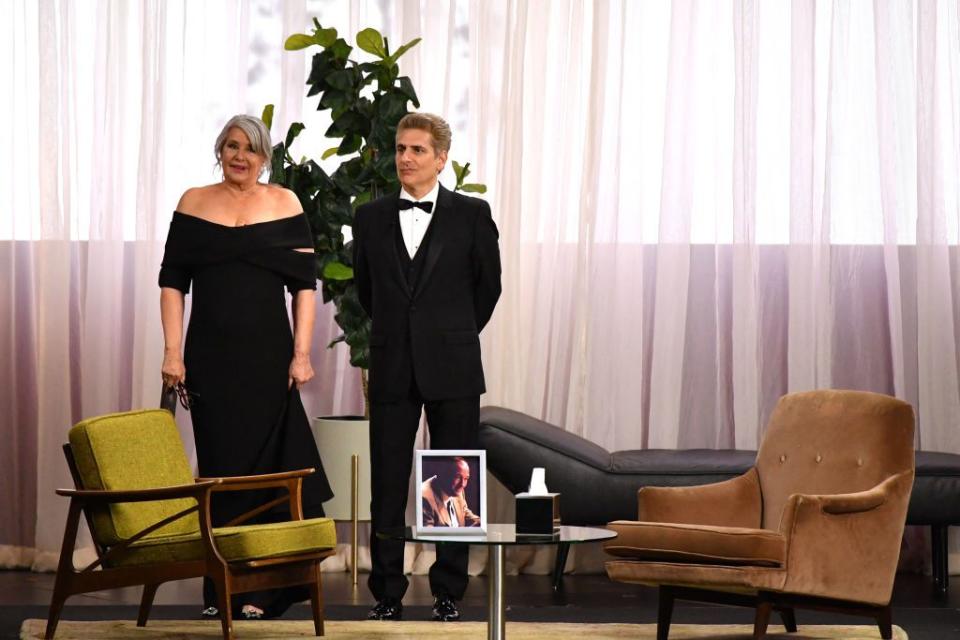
(452, 511)
(414, 221)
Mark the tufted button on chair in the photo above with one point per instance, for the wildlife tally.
(150, 521)
(816, 523)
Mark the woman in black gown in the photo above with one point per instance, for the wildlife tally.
(240, 243)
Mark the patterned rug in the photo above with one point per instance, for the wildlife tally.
(276, 630)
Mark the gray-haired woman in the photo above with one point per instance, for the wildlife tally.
(240, 243)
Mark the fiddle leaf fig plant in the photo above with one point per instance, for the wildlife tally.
(365, 101)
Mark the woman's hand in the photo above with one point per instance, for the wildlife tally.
(173, 370)
(301, 371)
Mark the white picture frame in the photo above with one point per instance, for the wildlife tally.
(436, 466)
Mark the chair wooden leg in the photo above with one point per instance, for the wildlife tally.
(65, 569)
(146, 602)
(316, 601)
(563, 551)
(664, 612)
(789, 619)
(885, 622)
(940, 559)
(221, 581)
(53, 617)
(761, 619)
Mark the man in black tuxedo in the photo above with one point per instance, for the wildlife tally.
(427, 269)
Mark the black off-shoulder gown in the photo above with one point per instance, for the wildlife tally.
(237, 355)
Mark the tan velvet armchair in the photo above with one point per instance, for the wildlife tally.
(815, 524)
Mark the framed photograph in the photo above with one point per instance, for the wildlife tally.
(452, 487)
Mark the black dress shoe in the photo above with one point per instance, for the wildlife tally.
(445, 609)
(386, 609)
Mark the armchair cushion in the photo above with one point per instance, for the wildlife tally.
(238, 544)
(146, 453)
(698, 544)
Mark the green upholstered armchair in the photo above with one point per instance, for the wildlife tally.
(150, 521)
(816, 523)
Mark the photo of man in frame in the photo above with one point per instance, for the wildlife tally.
(446, 495)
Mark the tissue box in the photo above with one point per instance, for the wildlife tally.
(538, 514)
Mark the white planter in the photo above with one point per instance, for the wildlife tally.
(338, 438)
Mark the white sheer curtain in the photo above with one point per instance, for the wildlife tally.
(706, 205)
(702, 206)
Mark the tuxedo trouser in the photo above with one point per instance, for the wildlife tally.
(452, 424)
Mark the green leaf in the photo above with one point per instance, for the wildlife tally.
(392, 107)
(342, 79)
(349, 122)
(406, 88)
(337, 271)
(349, 144)
(474, 188)
(457, 169)
(298, 41)
(340, 49)
(371, 41)
(361, 199)
(325, 37)
(341, 338)
(332, 151)
(267, 115)
(293, 132)
(403, 49)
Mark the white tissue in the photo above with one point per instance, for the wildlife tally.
(538, 483)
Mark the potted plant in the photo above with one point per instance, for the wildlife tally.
(366, 100)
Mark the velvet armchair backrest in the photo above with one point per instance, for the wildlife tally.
(832, 442)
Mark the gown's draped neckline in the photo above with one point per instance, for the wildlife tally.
(272, 244)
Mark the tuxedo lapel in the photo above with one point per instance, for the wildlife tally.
(442, 217)
(391, 215)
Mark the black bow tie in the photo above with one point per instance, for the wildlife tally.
(408, 204)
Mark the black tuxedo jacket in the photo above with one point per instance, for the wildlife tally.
(430, 331)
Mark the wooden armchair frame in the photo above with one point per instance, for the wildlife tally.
(228, 577)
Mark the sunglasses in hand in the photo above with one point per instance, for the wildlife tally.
(185, 397)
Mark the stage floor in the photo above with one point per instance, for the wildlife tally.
(922, 613)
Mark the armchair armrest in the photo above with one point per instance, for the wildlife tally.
(846, 545)
(140, 495)
(200, 491)
(731, 503)
(246, 483)
(852, 502)
(292, 481)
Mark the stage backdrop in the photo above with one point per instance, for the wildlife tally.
(702, 206)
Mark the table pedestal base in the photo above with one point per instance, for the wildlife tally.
(496, 615)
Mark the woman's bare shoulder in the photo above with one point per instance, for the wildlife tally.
(194, 199)
(285, 202)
